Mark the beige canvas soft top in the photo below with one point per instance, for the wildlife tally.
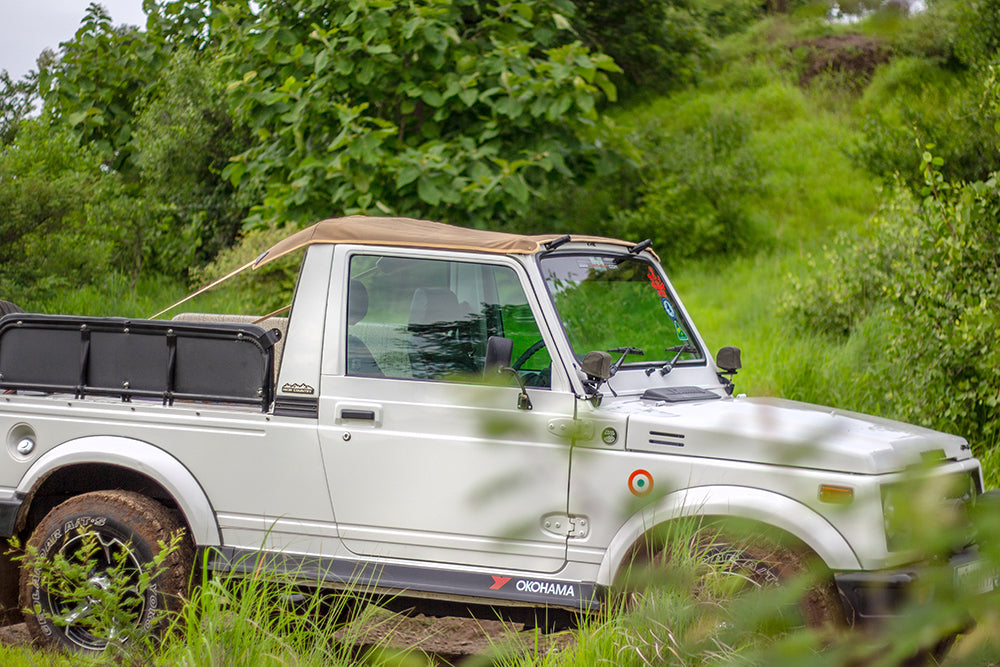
(413, 233)
(399, 232)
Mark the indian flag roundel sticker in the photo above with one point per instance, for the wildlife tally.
(640, 482)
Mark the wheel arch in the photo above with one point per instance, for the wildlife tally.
(766, 508)
(96, 463)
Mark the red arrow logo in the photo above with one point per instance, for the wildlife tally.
(498, 582)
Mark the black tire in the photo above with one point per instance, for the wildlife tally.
(6, 308)
(764, 561)
(126, 524)
(755, 558)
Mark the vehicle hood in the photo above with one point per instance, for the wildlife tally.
(782, 432)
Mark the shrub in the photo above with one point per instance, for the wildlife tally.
(931, 263)
(660, 45)
(49, 238)
(917, 99)
(696, 194)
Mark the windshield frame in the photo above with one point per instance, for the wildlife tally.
(647, 362)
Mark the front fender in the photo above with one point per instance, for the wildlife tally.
(143, 458)
(740, 502)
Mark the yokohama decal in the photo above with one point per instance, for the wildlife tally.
(537, 587)
(640, 483)
(546, 588)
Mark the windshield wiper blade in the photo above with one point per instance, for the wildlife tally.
(624, 351)
(669, 366)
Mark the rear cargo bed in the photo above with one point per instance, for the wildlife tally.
(168, 360)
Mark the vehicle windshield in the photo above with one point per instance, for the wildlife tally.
(608, 302)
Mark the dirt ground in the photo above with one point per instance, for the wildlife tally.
(451, 641)
(448, 641)
(854, 55)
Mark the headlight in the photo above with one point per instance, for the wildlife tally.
(929, 512)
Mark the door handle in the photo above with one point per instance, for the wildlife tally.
(368, 415)
(359, 414)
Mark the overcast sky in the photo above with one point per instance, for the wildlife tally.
(28, 26)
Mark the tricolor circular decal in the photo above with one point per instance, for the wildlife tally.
(640, 483)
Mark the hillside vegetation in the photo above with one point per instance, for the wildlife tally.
(823, 195)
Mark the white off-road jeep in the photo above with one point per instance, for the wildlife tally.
(452, 416)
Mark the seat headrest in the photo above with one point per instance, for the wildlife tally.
(434, 304)
(357, 302)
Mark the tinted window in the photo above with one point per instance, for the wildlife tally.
(430, 319)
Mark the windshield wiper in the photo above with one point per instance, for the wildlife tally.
(669, 366)
(624, 351)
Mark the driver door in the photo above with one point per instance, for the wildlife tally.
(426, 458)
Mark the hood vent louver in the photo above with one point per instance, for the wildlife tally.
(663, 438)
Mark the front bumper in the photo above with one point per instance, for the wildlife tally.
(870, 596)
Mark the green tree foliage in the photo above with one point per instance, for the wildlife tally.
(450, 110)
(697, 189)
(107, 73)
(182, 141)
(931, 270)
(922, 99)
(53, 231)
(16, 102)
(978, 37)
(152, 105)
(659, 44)
(99, 82)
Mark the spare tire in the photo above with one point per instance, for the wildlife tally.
(6, 307)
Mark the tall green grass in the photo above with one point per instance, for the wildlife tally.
(266, 619)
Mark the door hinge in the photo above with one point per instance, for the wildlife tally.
(566, 427)
(566, 525)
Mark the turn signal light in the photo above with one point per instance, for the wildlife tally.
(839, 495)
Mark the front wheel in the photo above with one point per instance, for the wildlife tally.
(761, 561)
(724, 559)
(92, 551)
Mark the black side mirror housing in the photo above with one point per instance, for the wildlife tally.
(728, 359)
(597, 365)
(499, 351)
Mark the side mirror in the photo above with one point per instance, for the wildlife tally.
(728, 359)
(499, 351)
(597, 366)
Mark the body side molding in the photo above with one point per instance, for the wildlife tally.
(516, 588)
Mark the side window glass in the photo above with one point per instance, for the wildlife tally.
(530, 357)
(430, 320)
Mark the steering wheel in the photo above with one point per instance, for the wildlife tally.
(527, 354)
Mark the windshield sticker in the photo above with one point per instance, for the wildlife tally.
(657, 283)
(668, 307)
(596, 263)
